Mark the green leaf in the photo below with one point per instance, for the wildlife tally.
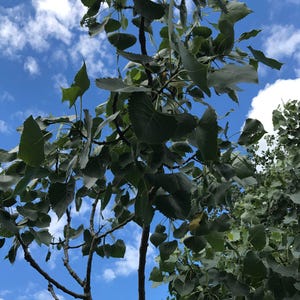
(7, 156)
(70, 94)
(230, 75)
(196, 70)
(257, 236)
(184, 288)
(138, 58)
(195, 243)
(2, 242)
(149, 9)
(82, 80)
(181, 231)
(216, 240)
(79, 86)
(248, 35)
(42, 237)
(180, 187)
(270, 62)
(121, 40)
(253, 266)
(157, 238)
(235, 11)
(156, 275)
(61, 195)
(295, 197)
(112, 25)
(154, 127)
(206, 136)
(118, 249)
(166, 249)
(253, 131)
(143, 208)
(31, 148)
(7, 181)
(117, 85)
(7, 223)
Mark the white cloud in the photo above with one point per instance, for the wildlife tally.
(31, 66)
(49, 23)
(129, 264)
(282, 41)
(270, 97)
(59, 81)
(5, 96)
(4, 128)
(4, 293)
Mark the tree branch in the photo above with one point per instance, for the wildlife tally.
(142, 262)
(51, 291)
(36, 266)
(142, 40)
(66, 252)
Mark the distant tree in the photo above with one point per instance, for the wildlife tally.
(252, 250)
(154, 147)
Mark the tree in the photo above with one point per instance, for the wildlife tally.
(252, 250)
(145, 151)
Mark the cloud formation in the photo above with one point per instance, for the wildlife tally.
(4, 128)
(270, 97)
(51, 24)
(282, 42)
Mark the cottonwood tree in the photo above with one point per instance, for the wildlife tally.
(154, 146)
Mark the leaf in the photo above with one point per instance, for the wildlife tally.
(70, 94)
(121, 40)
(2, 242)
(181, 231)
(235, 11)
(249, 34)
(253, 266)
(184, 288)
(112, 25)
(42, 237)
(7, 223)
(154, 127)
(257, 236)
(295, 197)
(166, 249)
(31, 148)
(7, 181)
(270, 62)
(61, 195)
(195, 243)
(230, 75)
(180, 187)
(253, 131)
(156, 275)
(149, 9)
(157, 238)
(206, 135)
(117, 85)
(138, 58)
(7, 156)
(216, 240)
(196, 70)
(143, 208)
(118, 249)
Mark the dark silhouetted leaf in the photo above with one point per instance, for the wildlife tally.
(253, 131)
(31, 148)
(121, 40)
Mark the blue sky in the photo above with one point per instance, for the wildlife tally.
(42, 47)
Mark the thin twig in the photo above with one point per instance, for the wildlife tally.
(66, 252)
(36, 266)
(51, 291)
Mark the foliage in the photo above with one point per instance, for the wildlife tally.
(253, 252)
(155, 147)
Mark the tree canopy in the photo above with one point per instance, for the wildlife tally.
(155, 147)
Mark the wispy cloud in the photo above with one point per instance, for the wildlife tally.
(31, 66)
(5, 96)
(22, 115)
(4, 128)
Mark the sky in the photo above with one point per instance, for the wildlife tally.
(42, 47)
